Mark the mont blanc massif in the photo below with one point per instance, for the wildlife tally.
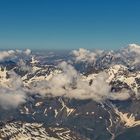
(70, 95)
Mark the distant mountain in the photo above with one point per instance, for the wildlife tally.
(31, 109)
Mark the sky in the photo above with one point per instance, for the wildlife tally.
(69, 24)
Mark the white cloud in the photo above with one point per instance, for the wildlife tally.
(98, 91)
(6, 54)
(27, 51)
(13, 53)
(11, 98)
(83, 55)
(70, 84)
(122, 95)
(134, 49)
(12, 93)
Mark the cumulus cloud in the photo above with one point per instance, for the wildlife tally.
(134, 48)
(69, 83)
(11, 98)
(27, 51)
(95, 91)
(59, 83)
(6, 54)
(12, 93)
(133, 51)
(13, 53)
(83, 55)
(23, 52)
(122, 95)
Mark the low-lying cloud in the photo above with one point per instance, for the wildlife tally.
(83, 55)
(133, 50)
(13, 53)
(12, 93)
(69, 83)
(11, 98)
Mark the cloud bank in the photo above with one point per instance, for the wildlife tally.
(12, 94)
(13, 53)
(133, 50)
(70, 84)
(83, 55)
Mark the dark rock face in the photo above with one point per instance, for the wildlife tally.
(84, 119)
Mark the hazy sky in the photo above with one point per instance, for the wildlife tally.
(69, 24)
